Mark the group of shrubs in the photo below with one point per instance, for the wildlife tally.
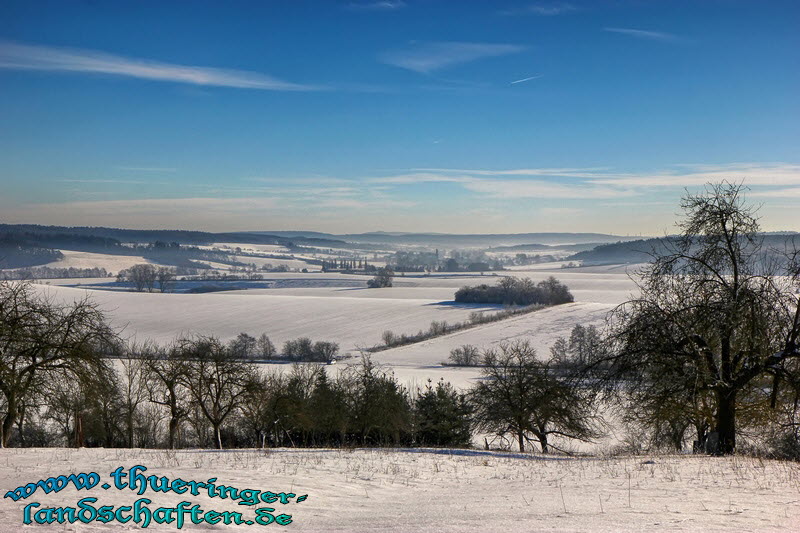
(44, 272)
(247, 347)
(516, 291)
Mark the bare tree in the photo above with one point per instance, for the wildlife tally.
(167, 373)
(166, 279)
(134, 392)
(383, 278)
(143, 276)
(243, 346)
(522, 396)
(717, 318)
(38, 335)
(216, 380)
(266, 350)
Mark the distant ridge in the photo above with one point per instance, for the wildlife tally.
(454, 240)
(38, 232)
(640, 251)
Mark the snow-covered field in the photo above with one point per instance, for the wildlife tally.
(352, 322)
(541, 327)
(318, 306)
(294, 264)
(432, 490)
(112, 263)
(258, 248)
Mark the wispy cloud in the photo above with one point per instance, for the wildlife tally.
(15, 56)
(522, 185)
(421, 177)
(383, 5)
(523, 80)
(541, 9)
(430, 57)
(365, 205)
(684, 175)
(148, 169)
(573, 172)
(645, 34)
(159, 206)
(110, 181)
(526, 188)
(303, 180)
(752, 174)
(791, 192)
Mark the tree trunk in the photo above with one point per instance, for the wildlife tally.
(217, 437)
(79, 438)
(173, 429)
(130, 428)
(21, 425)
(521, 438)
(8, 422)
(726, 421)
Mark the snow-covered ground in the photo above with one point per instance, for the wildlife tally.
(541, 327)
(352, 322)
(112, 263)
(259, 248)
(316, 305)
(442, 491)
(294, 264)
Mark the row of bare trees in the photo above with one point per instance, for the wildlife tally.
(195, 392)
(146, 277)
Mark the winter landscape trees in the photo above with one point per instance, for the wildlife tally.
(383, 278)
(516, 291)
(706, 351)
(39, 337)
(716, 324)
(521, 395)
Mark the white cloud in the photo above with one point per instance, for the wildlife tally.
(149, 169)
(523, 80)
(791, 192)
(382, 5)
(542, 9)
(543, 189)
(578, 172)
(429, 57)
(363, 205)
(684, 175)
(111, 181)
(15, 56)
(752, 174)
(645, 34)
(151, 206)
(421, 177)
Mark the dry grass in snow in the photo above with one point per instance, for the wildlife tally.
(438, 490)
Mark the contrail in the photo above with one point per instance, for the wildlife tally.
(527, 79)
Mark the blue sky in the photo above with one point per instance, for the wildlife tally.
(412, 115)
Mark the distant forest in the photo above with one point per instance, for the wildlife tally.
(641, 251)
(26, 245)
(18, 253)
(179, 236)
(27, 249)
